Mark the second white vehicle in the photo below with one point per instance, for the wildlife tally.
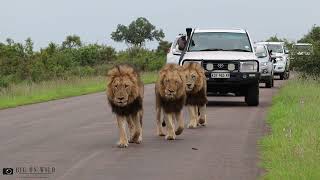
(265, 65)
(280, 57)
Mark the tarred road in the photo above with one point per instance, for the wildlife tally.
(78, 137)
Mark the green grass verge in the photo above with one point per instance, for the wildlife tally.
(292, 150)
(26, 93)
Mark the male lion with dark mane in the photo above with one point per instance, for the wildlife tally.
(170, 98)
(196, 88)
(125, 96)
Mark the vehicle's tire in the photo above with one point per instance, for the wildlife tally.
(281, 76)
(287, 75)
(269, 83)
(252, 96)
(272, 82)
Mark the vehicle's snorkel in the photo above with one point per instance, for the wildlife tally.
(189, 32)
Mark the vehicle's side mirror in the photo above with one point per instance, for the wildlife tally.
(176, 52)
(286, 51)
(273, 57)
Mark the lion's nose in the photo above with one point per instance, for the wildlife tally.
(189, 85)
(120, 98)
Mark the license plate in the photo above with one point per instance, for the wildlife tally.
(220, 75)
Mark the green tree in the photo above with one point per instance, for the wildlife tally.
(28, 47)
(313, 36)
(137, 33)
(163, 47)
(72, 41)
(275, 38)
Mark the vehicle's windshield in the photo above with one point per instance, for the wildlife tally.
(220, 41)
(275, 48)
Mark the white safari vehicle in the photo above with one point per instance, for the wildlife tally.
(265, 65)
(229, 60)
(174, 53)
(280, 58)
(301, 49)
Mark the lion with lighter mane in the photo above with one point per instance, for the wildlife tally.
(170, 98)
(196, 89)
(125, 95)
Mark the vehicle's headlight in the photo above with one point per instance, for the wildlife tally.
(191, 61)
(264, 64)
(248, 66)
(279, 58)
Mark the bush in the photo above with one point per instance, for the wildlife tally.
(18, 62)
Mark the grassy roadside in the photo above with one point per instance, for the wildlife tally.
(22, 94)
(292, 150)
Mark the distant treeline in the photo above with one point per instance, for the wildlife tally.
(19, 62)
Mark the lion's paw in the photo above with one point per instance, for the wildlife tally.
(168, 137)
(192, 126)
(179, 130)
(122, 145)
(202, 121)
(138, 141)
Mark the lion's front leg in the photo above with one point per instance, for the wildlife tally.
(170, 127)
(180, 121)
(203, 116)
(123, 142)
(193, 117)
(159, 124)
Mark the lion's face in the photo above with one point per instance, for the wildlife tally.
(123, 87)
(172, 82)
(191, 78)
(194, 75)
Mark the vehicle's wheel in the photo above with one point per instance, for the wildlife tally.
(252, 96)
(269, 83)
(287, 75)
(272, 82)
(281, 76)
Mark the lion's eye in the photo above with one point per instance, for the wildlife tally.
(116, 86)
(193, 76)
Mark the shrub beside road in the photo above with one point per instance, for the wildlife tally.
(292, 150)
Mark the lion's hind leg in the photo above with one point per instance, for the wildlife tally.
(159, 123)
(203, 116)
(193, 117)
(137, 135)
(131, 128)
(170, 127)
(180, 121)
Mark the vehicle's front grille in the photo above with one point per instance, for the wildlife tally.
(220, 65)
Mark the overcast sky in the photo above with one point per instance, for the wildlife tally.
(94, 20)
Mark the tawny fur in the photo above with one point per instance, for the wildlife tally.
(196, 89)
(170, 99)
(125, 95)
